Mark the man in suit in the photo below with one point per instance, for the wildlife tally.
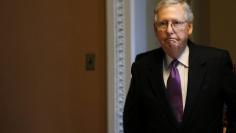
(181, 87)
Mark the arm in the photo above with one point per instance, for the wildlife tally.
(229, 85)
(131, 116)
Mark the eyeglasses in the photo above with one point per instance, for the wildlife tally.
(176, 25)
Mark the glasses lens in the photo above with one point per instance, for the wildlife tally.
(176, 25)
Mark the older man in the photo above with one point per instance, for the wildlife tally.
(180, 87)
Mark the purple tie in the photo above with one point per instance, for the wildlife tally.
(174, 93)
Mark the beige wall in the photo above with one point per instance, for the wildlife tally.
(44, 87)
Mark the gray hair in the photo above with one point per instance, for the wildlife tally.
(188, 14)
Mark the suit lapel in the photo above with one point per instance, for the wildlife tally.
(196, 74)
(158, 86)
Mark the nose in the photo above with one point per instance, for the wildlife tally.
(170, 29)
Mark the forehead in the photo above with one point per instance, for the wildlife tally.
(171, 12)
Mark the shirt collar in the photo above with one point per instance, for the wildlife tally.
(183, 58)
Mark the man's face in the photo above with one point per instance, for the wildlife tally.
(172, 30)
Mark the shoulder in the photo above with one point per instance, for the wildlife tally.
(149, 55)
(206, 51)
(148, 60)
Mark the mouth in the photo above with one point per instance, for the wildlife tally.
(171, 40)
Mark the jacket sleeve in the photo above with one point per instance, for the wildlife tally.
(131, 115)
(229, 86)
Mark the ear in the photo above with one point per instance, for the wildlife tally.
(155, 27)
(190, 28)
(155, 24)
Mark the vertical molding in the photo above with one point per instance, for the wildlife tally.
(120, 67)
(118, 62)
(121, 51)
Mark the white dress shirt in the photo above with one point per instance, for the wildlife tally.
(183, 71)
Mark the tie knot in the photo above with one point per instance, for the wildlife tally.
(174, 63)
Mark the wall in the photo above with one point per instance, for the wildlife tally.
(214, 24)
(143, 37)
(44, 87)
(201, 24)
(152, 40)
(222, 28)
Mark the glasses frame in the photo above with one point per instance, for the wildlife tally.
(176, 25)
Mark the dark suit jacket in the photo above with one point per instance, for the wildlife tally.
(211, 83)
